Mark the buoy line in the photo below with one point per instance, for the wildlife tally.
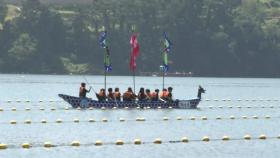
(66, 108)
(241, 100)
(143, 119)
(137, 141)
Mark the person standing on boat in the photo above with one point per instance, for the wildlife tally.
(117, 94)
(141, 95)
(155, 95)
(129, 95)
(101, 96)
(83, 90)
(110, 95)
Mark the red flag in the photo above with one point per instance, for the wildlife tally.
(135, 51)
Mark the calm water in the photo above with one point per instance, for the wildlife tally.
(225, 97)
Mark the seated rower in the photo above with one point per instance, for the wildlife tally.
(110, 95)
(164, 95)
(129, 95)
(101, 96)
(117, 94)
(83, 90)
(155, 95)
(148, 95)
(141, 95)
(169, 94)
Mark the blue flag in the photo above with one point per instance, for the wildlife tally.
(102, 42)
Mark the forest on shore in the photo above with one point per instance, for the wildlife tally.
(214, 38)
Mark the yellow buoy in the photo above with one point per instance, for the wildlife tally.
(267, 117)
(244, 117)
(239, 107)
(43, 121)
(53, 109)
(126, 107)
(98, 143)
(103, 108)
(26, 145)
(58, 121)
(140, 119)
(66, 108)
(14, 109)
(122, 119)
(157, 141)
(90, 108)
(1, 109)
(48, 144)
(192, 118)
(230, 107)
(13, 122)
(148, 107)
(78, 108)
(104, 120)
(75, 143)
(247, 137)
(278, 136)
(119, 142)
(27, 121)
(137, 141)
(220, 107)
(184, 140)
(203, 118)
(232, 117)
(225, 138)
(218, 118)
(27, 109)
(42, 108)
(170, 107)
(91, 120)
(179, 118)
(27, 101)
(206, 139)
(76, 120)
(165, 118)
(114, 107)
(3, 146)
(255, 117)
(262, 136)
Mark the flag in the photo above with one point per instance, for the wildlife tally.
(102, 42)
(135, 51)
(167, 49)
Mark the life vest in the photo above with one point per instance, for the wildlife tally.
(154, 96)
(117, 95)
(110, 96)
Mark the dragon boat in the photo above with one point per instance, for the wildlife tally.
(84, 103)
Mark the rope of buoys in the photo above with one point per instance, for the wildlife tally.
(239, 107)
(137, 141)
(141, 119)
(241, 100)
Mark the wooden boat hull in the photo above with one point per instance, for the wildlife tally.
(76, 102)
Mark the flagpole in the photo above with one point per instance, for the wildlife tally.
(163, 76)
(105, 79)
(134, 81)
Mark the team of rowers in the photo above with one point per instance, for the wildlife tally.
(129, 95)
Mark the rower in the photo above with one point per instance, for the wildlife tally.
(141, 95)
(148, 95)
(129, 95)
(117, 94)
(83, 90)
(110, 95)
(155, 95)
(101, 96)
(164, 94)
(169, 94)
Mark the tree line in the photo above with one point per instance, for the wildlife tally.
(222, 38)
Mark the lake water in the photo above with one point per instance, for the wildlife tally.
(34, 97)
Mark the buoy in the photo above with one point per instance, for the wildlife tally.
(1, 109)
(230, 107)
(247, 137)
(122, 119)
(138, 107)
(170, 107)
(165, 118)
(126, 107)
(210, 107)
(42, 109)
(66, 108)
(14, 109)
(119, 142)
(13, 122)
(3, 146)
(220, 107)
(244, 117)
(218, 118)
(78, 108)
(239, 107)
(75, 143)
(90, 108)
(262, 136)
(40, 101)
(225, 138)
(159, 107)
(91, 120)
(18, 101)
(27, 109)
(43, 121)
(203, 118)
(53, 109)
(27, 121)
(206, 139)
(255, 117)
(27, 101)
(58, 121)
(278, 136)
(140, 119)
(179, 118)
(114, 107)
(48, 145)
(104, 120)
(192, 118)
(98, 143)
(157, 141)
(76, 120)
(267, 117)
(232, 117)
(25, 145)
(248, 107)
(184, 140)
(148, 107)
(103, 108)
(207, 99)
(137, 141)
